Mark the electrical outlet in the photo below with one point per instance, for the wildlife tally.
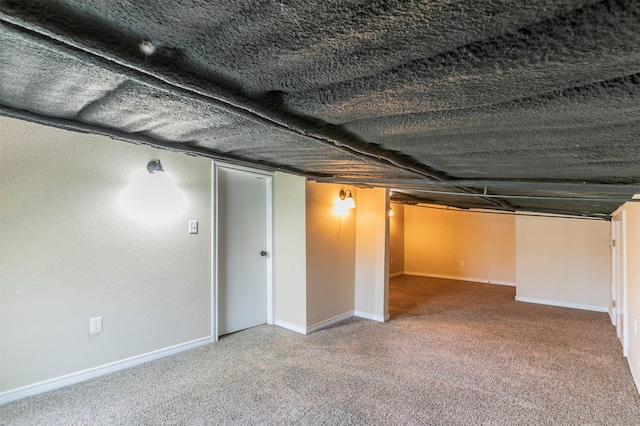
(95, 325)
(462, 263)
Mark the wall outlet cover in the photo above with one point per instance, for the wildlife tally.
(95, 325)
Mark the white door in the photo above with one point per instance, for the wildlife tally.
(242, 226)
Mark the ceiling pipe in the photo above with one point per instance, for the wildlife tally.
(522, 197)
(622, 189)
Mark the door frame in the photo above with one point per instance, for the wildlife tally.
(613, 310)
(619, 282)
(268, 176)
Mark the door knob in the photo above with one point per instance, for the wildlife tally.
(263, 253)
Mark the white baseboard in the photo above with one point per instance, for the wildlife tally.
(330, 321)
(396, 274)
(289, 326)
(81, 376)
(374, 317)
(636, 378)
(595, 308)
(451, 277)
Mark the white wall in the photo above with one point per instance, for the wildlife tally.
(564, 262)
(372, 254)
(70, 251)
(396, 240)
(290, 251)
(464, 245)
(318, 252)
(330, 255)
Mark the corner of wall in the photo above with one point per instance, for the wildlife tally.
(290, 251)
(372, 253)
(330, 253)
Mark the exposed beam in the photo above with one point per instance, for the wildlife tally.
(138, 139)
(622, 189)
(528, 213)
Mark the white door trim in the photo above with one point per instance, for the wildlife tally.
(620, 226)
(614, 273)
(214, 252)
(625, 311)
(268, 176)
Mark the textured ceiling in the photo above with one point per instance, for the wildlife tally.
(512, 105)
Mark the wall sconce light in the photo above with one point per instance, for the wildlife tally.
(154, 166)
(347, 199)
(152, 197)
(344, 203)
(390, 212)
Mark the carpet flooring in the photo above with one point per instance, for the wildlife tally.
(454, 353)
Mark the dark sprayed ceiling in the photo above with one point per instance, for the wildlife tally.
(512, 105)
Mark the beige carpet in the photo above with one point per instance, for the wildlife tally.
(454, 353)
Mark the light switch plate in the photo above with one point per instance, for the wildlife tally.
(193, 226)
